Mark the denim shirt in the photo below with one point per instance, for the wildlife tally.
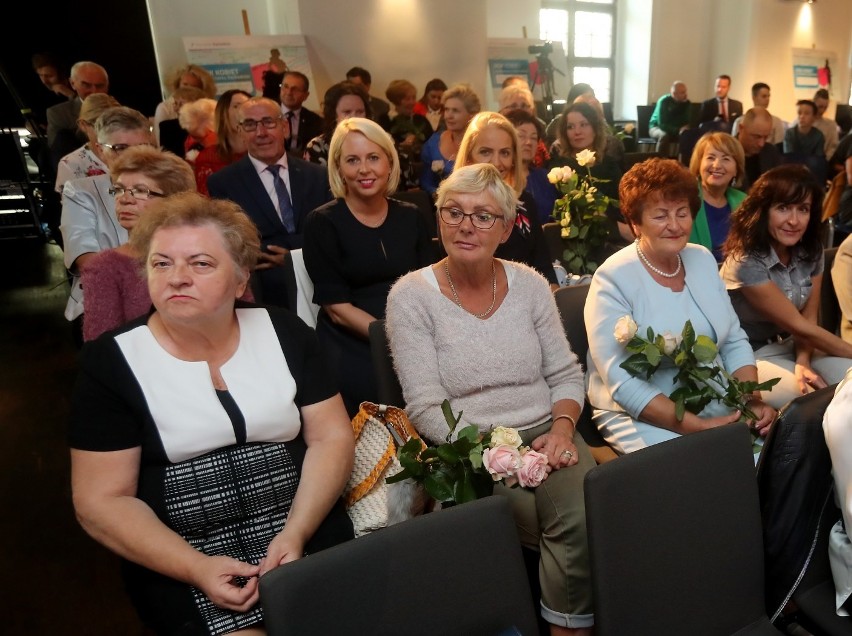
(794, 280)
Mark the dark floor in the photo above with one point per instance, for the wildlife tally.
(56, 579)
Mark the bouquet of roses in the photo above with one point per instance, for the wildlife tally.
(701, 380)
(466, 468)
(581, 211)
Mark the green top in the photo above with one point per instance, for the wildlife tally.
(700, 227)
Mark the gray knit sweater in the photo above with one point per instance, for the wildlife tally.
(507, 370)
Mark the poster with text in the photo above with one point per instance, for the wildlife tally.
(253, 63)
(812, 71)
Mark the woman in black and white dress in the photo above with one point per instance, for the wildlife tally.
(208, 444)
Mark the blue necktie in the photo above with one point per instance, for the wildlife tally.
(288, 217)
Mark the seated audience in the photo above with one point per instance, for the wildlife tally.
(837, 428)
(577, 90)
(409, 131)
(198, 120)
(276, 190)
(760, 94)
(341, 101)
(172, 136)
(191, 429)
(530, 133)
(773, 271)
(491, 138)
(660, 281)
(582, 128)
(804, 139)
(115, 291)
(828, 127)
(455, 333)
(438, 156)
(230, 145)
(191, 75)
(720, 111)
(760, 155)
(378, 107)
(429, 105)
(841, 278)
(717, 162)
(86, 161)
(519, 97)
(304, 123)
(670, 118)
(356, 247)
(88, 223)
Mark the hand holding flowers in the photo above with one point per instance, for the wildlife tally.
(466, 469)
(700, 380)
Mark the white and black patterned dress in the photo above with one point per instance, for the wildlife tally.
(218, 467)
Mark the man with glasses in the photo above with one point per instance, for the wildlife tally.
(88, 222)
(63, 135)
(276, 190)
(304, 124)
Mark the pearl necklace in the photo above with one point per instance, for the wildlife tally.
(654, 269)
(493, 290)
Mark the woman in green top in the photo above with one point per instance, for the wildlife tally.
(717, 161)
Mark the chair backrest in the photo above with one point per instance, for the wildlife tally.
(829, 307)
(571, 301)
(686, 144)
(458, 571)
(795, 483)
(552, 232)
(675, 538)
(643, 116)
(390, 391)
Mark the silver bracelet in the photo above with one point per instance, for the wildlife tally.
(567, 417)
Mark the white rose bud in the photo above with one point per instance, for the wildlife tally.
(586, 158)
(629, 128)
(505, 436)
(567, 173)
(566, 233)
(437, 165)
(554, 176)
(625, 329)
(564, 222)
(590, 197)
(670, 342)
(592, 189)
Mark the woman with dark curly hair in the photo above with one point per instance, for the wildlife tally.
(773, 271)
(660, 281)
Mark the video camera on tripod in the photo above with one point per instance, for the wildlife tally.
(544, 74)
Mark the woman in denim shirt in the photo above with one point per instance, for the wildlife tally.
(773, 271)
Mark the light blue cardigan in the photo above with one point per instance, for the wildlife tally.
(623, 286)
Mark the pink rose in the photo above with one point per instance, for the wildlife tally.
(533, 469)
(501, 461)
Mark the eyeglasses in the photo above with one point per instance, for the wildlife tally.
(480, 220)
(140, 192)
(119, 148)
(250, 125)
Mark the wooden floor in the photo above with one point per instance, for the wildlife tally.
(56, 580)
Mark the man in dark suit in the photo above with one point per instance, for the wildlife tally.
(304, 124)
(275, 189)
(720, 111)
(63, 134)
(379, 107)
(754, 132)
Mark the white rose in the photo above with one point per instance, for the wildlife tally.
(625, 329)
(670, 342)
(586, 158)
(590, 197)
(554, 176)
(566, 233)
(438, 165)
(567, 173)
(592, 189)
(565, 221)
(502, 435)
(629, 128)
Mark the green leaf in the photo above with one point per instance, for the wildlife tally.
(438, 487)
(451, 419)
(688, 335)
(448, 454)
(652, 353)
(470, 432)
(705, 349)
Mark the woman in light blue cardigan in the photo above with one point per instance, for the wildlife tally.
(660, 281)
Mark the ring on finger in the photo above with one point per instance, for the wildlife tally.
(567, 454)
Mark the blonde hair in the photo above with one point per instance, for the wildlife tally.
(194, 113)
(465, 94)
(171, 173)
(722, 142)
(479, 123)
(208, 84)
(94, 106)
(475, 179)
(373, 132)
(508, 95)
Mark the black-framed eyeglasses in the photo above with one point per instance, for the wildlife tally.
(480, 220)
(119, 148)
(141, 192)
(250, 125)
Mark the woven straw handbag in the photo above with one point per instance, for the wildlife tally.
(371, 503)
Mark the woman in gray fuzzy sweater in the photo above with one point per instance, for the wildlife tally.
(486, 334)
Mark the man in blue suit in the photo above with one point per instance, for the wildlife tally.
(275, 189)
